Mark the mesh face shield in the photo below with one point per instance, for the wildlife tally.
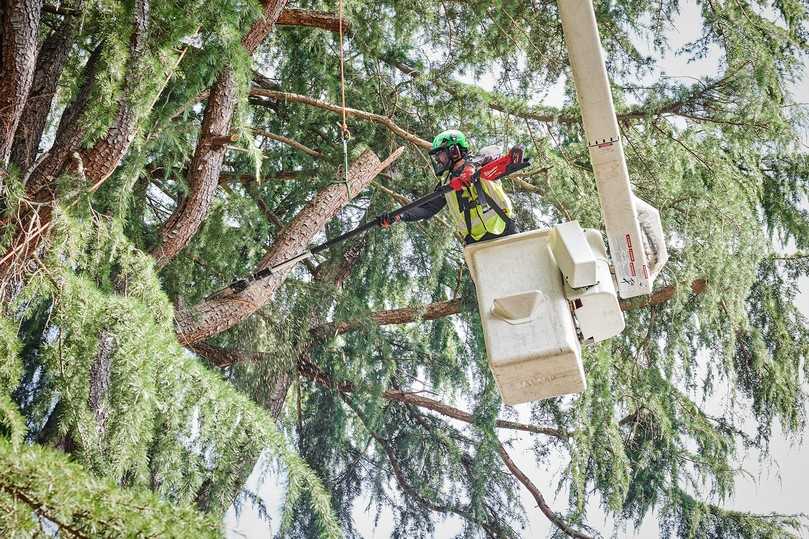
(443, 158)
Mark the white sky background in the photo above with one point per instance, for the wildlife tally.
(778, 485)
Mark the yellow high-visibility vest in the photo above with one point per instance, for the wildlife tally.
(474, 217)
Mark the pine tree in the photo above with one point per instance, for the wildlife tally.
(153, 152)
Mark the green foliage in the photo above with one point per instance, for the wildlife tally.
(145, 416)
(688, 517)
(11, 422)
(42, 491)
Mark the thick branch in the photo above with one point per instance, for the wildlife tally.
(313, 19)
(404, 315)
(69, 133)
(361, 114)
(262, 27)
(442, 309)
(206, 165)
(661, 295)
(20, 24)
(218, 314)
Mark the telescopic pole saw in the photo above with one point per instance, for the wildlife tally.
(491, 171)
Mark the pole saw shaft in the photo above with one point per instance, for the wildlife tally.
(492, 171)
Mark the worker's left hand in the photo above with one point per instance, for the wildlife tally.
(385, 220)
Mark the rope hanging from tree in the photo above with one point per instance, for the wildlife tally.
(345, 134)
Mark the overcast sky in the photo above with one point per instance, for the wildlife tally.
(777, 486)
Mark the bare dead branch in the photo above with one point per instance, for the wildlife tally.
(289, 142)
(361, 114)
(538, 497)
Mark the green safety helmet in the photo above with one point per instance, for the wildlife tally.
(448, 147)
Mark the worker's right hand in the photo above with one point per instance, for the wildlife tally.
(464, 179)
(385, 220)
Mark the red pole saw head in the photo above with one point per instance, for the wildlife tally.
(507, 164)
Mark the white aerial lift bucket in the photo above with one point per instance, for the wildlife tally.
(533, 319)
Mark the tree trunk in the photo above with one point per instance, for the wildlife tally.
(97, 163)
(100, 379)
(219, 314)
(18, 51)
(68, 135)
(104, 157)
(203, 172)
(49, 66)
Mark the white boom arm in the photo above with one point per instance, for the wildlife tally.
(637, 249)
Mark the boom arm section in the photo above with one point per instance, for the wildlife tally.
(634, 233)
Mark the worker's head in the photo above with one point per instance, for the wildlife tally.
(449, 147)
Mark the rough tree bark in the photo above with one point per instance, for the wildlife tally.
(49, 66)
(203, 172)
(69, 133)
(313, 19)
(221, 313)
(104, 157)
(100, 373)
(18, 52)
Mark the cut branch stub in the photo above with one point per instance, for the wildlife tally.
(313, 19)
(219, 314)
(224, 140)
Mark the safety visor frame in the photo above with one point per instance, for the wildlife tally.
(444, 157)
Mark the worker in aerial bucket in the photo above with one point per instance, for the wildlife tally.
(481, 210)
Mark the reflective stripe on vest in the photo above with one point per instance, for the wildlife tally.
(482, 218)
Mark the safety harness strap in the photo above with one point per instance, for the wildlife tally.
(464, 206)
(488, 201)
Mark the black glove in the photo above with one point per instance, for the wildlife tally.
(387, 219)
